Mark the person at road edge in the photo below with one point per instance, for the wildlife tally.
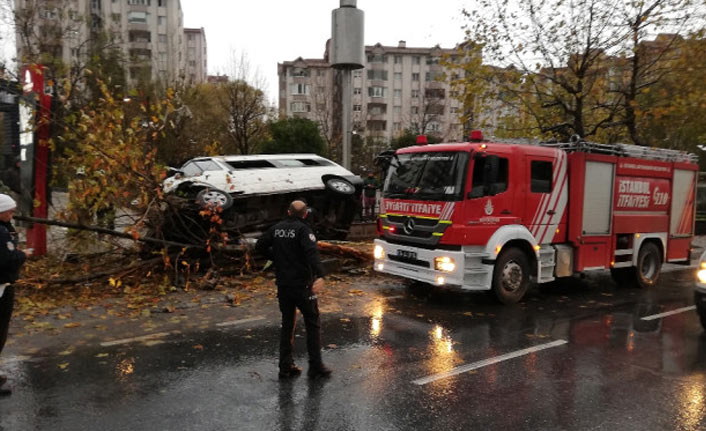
(11, 259)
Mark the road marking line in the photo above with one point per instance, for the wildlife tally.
(486, 362)
(238, 322)
(669, 313)
(133, 339)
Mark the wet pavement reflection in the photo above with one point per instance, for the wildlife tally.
(616, 371)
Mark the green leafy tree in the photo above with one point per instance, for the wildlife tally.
(408, 138)
(294, 135)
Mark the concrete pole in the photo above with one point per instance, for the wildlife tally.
(347, 130)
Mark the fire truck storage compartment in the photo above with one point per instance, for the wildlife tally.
(681, 226)
(593, 249)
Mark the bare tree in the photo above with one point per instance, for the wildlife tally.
(244, 99)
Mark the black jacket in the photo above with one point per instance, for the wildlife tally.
(11, 259)
(291, 245)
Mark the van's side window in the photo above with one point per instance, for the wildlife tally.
(541, 176)
(490, 175)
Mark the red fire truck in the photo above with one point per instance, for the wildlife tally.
(500, 216)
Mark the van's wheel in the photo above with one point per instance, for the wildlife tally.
(214, 197)
(339, 186)
(511, 276)
(649, 263)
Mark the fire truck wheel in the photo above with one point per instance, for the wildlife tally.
(623, 276)
(511, 276)
(649, 263)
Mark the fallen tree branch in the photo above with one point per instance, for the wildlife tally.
(103, 230)
(344, 251)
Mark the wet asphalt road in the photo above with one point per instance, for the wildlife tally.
(601, 367)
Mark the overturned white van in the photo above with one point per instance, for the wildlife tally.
(254, 191)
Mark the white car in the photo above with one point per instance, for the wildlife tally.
(700, 292)
(254, 191)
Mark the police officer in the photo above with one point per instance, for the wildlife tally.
(291, 245)
(11, 259)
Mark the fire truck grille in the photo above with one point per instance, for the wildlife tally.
(417, 220)
(409, 260)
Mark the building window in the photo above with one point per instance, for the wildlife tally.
(415, 94)
(192, 63)
(161, 3)
(415, 77)
(397, 109)
(435, 93)
(191, 52)
(301, 107)
(139, 2)
(454, 93)
(415, 109)
(162, 20)
(453, 110)
(380, 75)
(48, 13)
(398, 59)
(433, 60)
(357, 90)
(162, 38)
(301, 88)
(416, 59)
(299, 71)
(115, 17)
(137, 17)
(397, 126)
(377, 58)
(433, 127)
(357, 108)
(357, 73)
(397, 93)
(377, 91)
(190, 36)
(398, 76)
(427, 76)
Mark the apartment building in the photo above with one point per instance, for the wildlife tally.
(400, 88)
(196, 55)
(149, 33)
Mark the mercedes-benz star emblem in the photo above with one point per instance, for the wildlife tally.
(409, 226)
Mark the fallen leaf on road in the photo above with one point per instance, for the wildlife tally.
(345, 319)
(101, 355)
(198, 347)
(468, 313)
(63, 366)
(332, 346)
(72, 325)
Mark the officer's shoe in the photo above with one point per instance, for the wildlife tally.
(320, 371)
(289, 372)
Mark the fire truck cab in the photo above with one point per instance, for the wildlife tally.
(499, 216)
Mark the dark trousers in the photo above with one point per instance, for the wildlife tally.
(6, 304)
(289, 300)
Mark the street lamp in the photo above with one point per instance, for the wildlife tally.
(347, 54)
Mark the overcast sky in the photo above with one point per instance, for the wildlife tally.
(272, 31)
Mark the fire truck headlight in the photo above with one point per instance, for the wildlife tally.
(701, 275)
(378, 252)
(444, 263)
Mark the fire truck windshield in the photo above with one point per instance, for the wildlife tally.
(437, 176)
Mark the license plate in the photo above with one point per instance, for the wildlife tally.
(407, 254)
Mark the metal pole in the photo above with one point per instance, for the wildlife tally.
(347, 131)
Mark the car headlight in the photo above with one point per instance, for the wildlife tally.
(444, 263)
(701, 274)
(378, 252)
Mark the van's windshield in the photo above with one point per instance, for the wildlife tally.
(435, 176)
